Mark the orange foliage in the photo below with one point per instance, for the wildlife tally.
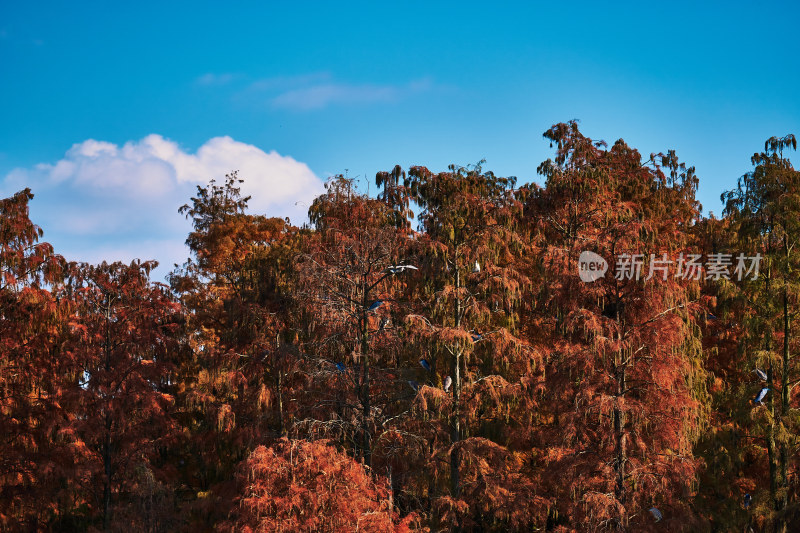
(310, 487)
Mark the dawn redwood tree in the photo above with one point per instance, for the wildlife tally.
(303, 486)
(298, 379)
(732, 447)
(25, 261)
(236, 290)
(35, 455)
(123, 339)
(466, 327)
(764, 210)
(395, 194)
(624, 384)
(349, 295)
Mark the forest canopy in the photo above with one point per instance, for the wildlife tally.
(458, 353)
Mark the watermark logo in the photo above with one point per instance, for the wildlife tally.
(591, 266)
(717, 266)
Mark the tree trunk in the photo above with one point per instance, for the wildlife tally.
(281, 428)
(366, 443)
(455, 436)
(108, 424)
(107, 471)
(773, 467)
(620, 458)
(784, 455)
(770, 430)
(455, 430)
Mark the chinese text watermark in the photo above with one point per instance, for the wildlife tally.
(716, 266)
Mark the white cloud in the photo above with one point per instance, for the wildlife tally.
(320, 95)
(319, 90)
(272, 179)
(145, 170)
(102, 197)
(284, 83)
(216, 79)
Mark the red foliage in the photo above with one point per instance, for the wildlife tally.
(310, 487)
(35, 453)
(462, 377)
(621, 406)
(123, 343)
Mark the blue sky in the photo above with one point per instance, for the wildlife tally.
(112, 114)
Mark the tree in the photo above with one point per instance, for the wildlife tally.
(764, 209)
(351, 284)
(236, 290)
(123, 341)
(303, 486)
(467, 327)
(34, 452)
(355, 374)
(623, 379)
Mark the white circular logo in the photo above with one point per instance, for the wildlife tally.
(591, 266)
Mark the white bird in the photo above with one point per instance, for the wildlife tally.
(447, 382)
(476, 268)
(396, 269)
(763, 392)
(656, 513)
(760, 373)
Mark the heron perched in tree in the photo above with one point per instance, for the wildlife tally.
(763, 392)
(396, 269)
(476, 268)
(760, 373)
(448, 381)
(656, 513)
(747, 500)
(376, 304)
(414, 385)
(425, 364)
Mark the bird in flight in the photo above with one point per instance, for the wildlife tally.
(396, 269)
